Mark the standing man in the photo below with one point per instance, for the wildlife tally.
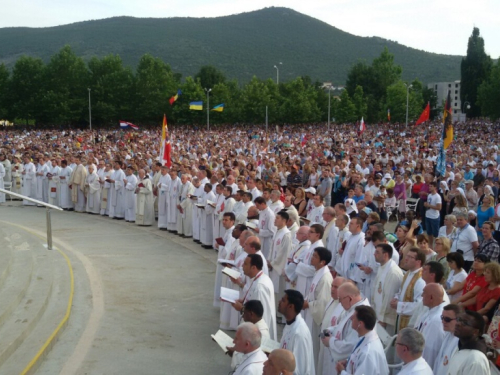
(42, 183)
(465, 240)
(450, 341)
(276, 204)
(64, 191)
(281, 247)
(301, 245)
(325, 187)
(266, 228)
(77, 185)
(368, 356)
(316, 214)
(279, 362)
(354, 245)
(305, 271)
(296, 335)
(145, 214)
(207, 217)
(433, 206)
(247, 341)
(104, 176)
(93, 190)
(387, 283)
(185, 215)
(130, 184)
(228, 239)
(318, 294)
(163, 188)
(409, 347)
(173, 200)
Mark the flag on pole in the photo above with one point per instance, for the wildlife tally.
(303, 140)
(196, 106)
(218, 108)
(362, 126)
(128, 125)
(388, 115)
(425, 114)
(175, 97)
(166, 147)
(447, 123)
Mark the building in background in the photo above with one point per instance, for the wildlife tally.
(441, 91)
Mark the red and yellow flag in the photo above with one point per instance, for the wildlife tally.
(425, 115)
(447, 123)
(166, 147)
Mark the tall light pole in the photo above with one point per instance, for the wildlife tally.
(208, 107)
(408, 87)
(278, 73)
(330, 88)
(90, 112)
(464, 107)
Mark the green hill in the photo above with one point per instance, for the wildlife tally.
(241, 45)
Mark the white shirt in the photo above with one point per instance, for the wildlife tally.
(433, 200)
(416, 367)
(252, 363)
(368, 357)
(297, 338)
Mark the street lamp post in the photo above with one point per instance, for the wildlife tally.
(464, 107)
(408, 87)
(330, 87)
(208, 107)
(278, 73)
(90, 112)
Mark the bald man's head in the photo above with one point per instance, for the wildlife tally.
(433, 295)
(280, 361)
(337, 282)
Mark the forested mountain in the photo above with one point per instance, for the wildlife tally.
(241, 46)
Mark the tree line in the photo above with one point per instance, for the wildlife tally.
(57, 93)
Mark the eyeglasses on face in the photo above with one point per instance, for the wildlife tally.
(447, 319)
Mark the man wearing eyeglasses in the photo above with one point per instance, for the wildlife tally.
(450, 341)
(409, 347)
(471, 356)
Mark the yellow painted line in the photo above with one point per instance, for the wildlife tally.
(51, 338)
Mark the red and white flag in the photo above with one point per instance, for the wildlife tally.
(362, 126)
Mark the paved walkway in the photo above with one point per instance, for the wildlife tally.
(143, 298)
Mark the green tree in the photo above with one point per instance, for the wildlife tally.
(256, 95)
(66, 97)
(210, 76)
(475, 69)
(111, 87)
(489, 94)
(359, 102)
(396, 100)
(155, 84)
(4, 81)
(299, 102)
(345, 110)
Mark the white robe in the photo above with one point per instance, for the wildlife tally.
(266, 230)
(207, 220)
(431, 327)
(407, 308)
(385, 286)
(293, 261)
(42, 183)
(261, 288)
(2, 176)
(17, 178)
(173, 200)
(219, 276)
(468, 362)
(297, 339)
(417, 367)
(448, 349)
(29, 183)
(103, 175)
(276, 206)
(368, 357)
(198, 192)
(366, 257)
(64, 190)
(305, 272)
(343, 235)
(130, 199)
(343, 337)
(326, 363)
(281, 246)
(117, 195)
(241, 216)
(354, 245)
(163, 188)
(93, 193)
(54, 190)
(264, 331)
(218, 228)
(316, 216)
(145, 205)
(185, 220)
(251, 363)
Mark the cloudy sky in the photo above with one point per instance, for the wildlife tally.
(441, 26)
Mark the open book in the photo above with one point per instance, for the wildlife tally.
(223, 339)
(268, 345)
(304, 219)
(229, 295)
(227, 261)
(231, 273)
(250, 225)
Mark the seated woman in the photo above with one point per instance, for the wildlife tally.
(456, 277)
(475, 281)
(486, 299)
(423, 244)
(448, 229)
(442, 247)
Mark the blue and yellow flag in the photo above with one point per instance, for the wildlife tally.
(218, 108)
(196, 106)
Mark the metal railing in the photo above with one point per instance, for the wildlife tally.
(38, 203)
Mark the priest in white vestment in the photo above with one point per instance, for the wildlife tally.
(276, 204)
(305, 271)
(104, 175)
(218, 230)
(42, 182)
(223, 250)
(77, 185)
(260, 287)
(54, 190)
(156, 180)
(242, 215)
(65, 201)
(450, 342)
(163, 189)
(130, 185)
(354, 245)
(409, 347)
(207, 217)
(385, 286)
(2, 176)
(296, 335)
(316, 214)
(196, 199)
(185, 207)
(17, 176)
(342, 337)
(266, 228)
(318, 295)
(368, 356)
(145, 210)
(301, 245)
(226, 206)
(173, 199)
(93, 190)
(247, 341)
(281, 247)
(116, 192)
(343, 234)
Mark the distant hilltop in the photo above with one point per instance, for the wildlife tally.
(241, 46)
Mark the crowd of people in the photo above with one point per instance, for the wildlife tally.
(299, 218)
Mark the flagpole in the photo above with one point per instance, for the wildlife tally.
(208, 108)
(408, 87)
(266, 118)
